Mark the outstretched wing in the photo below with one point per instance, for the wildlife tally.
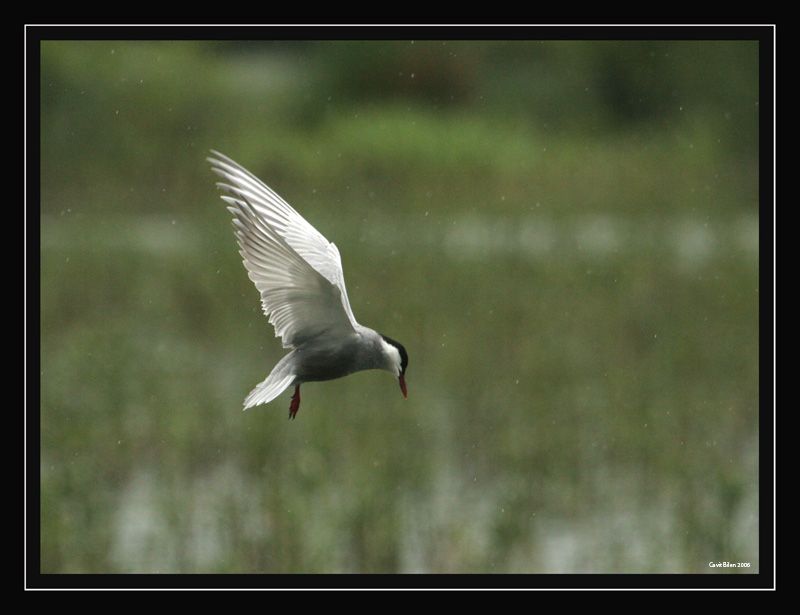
(297, 271)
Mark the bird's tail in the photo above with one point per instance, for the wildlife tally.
(279, 379)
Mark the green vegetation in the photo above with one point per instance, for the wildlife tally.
(563, 235)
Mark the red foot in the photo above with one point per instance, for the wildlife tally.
(295, 405)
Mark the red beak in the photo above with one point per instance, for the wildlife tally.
(402, 380)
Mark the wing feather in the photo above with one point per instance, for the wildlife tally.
(278, 215)
(300, 301)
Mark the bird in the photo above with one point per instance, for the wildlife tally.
(300, 278)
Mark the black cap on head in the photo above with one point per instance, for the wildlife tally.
(401, 350)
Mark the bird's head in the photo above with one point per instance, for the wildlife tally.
(396, 361)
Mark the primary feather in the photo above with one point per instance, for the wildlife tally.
(295, 269)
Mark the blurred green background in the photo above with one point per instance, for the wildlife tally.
(564, 235)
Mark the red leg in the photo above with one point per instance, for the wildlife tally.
(295, 405)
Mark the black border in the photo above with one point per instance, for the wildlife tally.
(34, 34)
(416, 32)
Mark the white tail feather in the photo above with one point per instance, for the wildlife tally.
(276, 383)
(267, 391)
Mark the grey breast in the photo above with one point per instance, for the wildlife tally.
(322, 360)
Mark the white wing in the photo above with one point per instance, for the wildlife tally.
(297, 271)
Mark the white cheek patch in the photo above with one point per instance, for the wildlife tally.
(394, 357)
